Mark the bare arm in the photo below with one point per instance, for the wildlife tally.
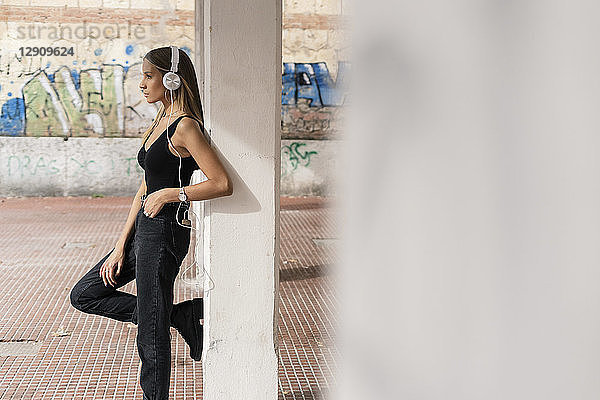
(218, 183)
(129, 224)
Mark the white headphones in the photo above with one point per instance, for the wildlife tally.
(171, 80)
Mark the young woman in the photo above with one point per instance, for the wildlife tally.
(154, 242)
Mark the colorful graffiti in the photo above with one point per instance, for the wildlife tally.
(82, 104)
(104, 102)
(96, 102)
(311, 100)
(312, 81)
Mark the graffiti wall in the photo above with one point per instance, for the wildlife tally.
(51, 166)
(101, 101)
(311, 100)
(105, 101)
(75, 71)
(72, 70)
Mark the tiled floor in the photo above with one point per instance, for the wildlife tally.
(47, 244)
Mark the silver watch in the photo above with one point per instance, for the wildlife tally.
(182, 196)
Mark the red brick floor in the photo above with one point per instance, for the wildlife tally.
(47, 244)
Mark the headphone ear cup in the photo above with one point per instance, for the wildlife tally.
(171, 81)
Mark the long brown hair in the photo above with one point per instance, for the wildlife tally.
(187, 96)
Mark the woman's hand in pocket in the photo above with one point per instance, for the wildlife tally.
(112, 267)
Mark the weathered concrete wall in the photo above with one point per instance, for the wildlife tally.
(315, 71)
(315, 31)
(89, 89)
(51, 166)
(308, 167)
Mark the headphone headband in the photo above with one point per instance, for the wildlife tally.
(174, 58)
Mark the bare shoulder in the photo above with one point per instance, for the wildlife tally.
(189, 126)
(190, 132)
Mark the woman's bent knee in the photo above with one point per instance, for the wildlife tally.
(92, 277)
(76, 295)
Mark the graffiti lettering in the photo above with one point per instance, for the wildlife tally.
(291, 157)
(23, 165)
(312, 81)
(99, 101)
(89, 167)
(128, 161)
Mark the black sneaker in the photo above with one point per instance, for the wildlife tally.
(187, 322)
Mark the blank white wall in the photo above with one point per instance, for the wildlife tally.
(472, 202)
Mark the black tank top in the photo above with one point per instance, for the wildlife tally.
(161, 166)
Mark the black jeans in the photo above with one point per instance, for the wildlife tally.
(153, 256)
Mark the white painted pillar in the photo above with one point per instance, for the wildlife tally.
(242, 99)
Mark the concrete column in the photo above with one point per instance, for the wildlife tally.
(242, 99)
